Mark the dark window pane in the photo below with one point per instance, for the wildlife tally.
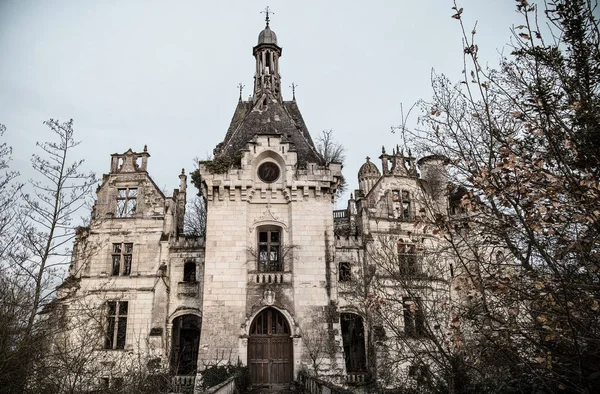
(123, 308)
(129, 248)
(274, 236)
(127, 264)
(121, 332)
(263, 236)
(116, 248)
(116, 264)
(110, 332)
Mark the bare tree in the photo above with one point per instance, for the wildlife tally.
(42, 231)
(522, 143)
(332, 151)
(195, 217)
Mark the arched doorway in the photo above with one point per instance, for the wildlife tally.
(184, 346)
(353, 338)
(270, 350)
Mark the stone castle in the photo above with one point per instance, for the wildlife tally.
(279, 282)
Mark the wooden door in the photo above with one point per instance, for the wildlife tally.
(270, 350)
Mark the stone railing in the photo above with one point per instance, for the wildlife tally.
(183, 384)
(187, 289)
(313, 385)
(270, 277)
(340, 214)
(358, 378)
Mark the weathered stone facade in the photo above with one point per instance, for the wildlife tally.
(277, 283)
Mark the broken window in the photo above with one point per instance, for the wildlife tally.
(189, 272)
(408, 259)
(126, 202)
(406, 205)
(122, 256)
(269, 258)
(414, 317)
(402, 204)
(116, 327)
(344, 272)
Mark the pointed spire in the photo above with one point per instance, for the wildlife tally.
(383, 149)
(293, 86)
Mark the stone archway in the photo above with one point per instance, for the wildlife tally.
(270, 352)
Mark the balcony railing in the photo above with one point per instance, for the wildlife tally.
(340, 214)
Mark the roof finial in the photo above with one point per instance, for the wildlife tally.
(267, 11)
(241, 87)
(293, 86)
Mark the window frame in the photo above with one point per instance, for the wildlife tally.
(409, 258)
(121, 259)
(344, 272)
(126, 202)
(269, 246)
(189, 272)
(115, 334)
(414, 318)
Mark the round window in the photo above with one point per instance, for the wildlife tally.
(268, 172)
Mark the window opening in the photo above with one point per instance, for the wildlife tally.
(414, 317)
(269, 251)
(408, 259)
(116, 329)
(126, 202)
(189, 272)
(121, 259)
(406, 205)
(345, 272)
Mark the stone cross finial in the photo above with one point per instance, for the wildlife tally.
(368, 158)
(267, 11)
(241, 87)
(293, 86)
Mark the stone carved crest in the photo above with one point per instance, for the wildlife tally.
(269, 296)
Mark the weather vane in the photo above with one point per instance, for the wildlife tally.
(267, 11)
(241, 87)
(293, 86)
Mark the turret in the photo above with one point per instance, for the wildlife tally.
(267, 81)
(368, 174)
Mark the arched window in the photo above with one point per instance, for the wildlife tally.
(189, 272)
(269, 322)
(269, 250)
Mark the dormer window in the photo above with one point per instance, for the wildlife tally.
(126, 202)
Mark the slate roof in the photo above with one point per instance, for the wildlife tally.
(275, 118)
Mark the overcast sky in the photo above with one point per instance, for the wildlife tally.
(165, 73)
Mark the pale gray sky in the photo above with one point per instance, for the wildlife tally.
(164, 73)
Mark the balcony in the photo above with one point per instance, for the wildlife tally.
(188, 289)
(276, 277)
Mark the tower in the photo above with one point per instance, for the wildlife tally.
(269, 237)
